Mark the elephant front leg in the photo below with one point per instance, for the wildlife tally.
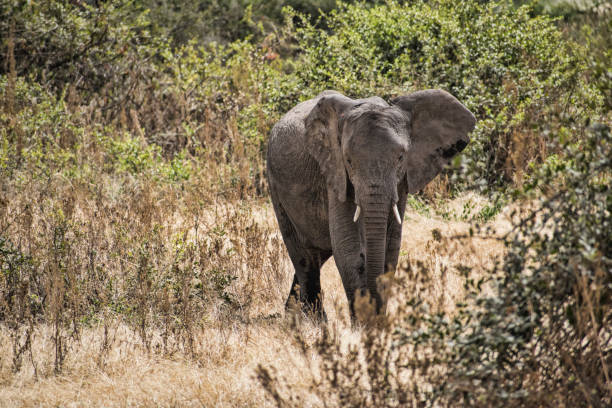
(348, 252)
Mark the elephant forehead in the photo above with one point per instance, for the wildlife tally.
(375, 121)
(374, 138)
(367, 114)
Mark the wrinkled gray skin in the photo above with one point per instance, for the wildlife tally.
(331, 153)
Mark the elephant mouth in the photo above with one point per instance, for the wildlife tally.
(395, 212)
(452, 150)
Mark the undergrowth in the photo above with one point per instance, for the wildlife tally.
(538, 336)
(132, 186)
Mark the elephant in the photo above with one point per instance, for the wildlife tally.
(339, 171)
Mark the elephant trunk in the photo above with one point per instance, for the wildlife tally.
(376, 215)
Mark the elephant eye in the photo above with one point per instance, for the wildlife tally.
(348, 161)
(399, 160)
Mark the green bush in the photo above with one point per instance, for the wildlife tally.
(594, 31)
(37, 130)
(514, 71)
(543, 338)
(65, 42)
(225, 21)
(538, 336)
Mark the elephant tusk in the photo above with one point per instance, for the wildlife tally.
(396, 212)
(357, 212)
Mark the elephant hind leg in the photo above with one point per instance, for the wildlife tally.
(293, 293)
(306, 260)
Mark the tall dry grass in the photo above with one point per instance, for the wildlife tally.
(141, 265)
(161, 336)
(123, 285)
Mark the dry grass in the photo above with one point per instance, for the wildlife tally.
(219, 373)
(137, 276)
(213, 362)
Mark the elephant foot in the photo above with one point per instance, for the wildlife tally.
(364, 308)
(313, 309)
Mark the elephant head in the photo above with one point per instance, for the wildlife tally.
(367, 148)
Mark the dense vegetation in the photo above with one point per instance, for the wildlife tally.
(538, 336)
(132, 137)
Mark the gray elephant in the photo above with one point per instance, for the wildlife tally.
(339, 171)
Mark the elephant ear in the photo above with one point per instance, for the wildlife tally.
(323, 139)
(438, 125)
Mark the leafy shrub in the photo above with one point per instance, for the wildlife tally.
(38, 129)
(514, 71)
(135, 156)
(223, 21)
(62, 42)
(594, 30)
(543, 338)
(539, 336)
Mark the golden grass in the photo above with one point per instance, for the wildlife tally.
(108, 365)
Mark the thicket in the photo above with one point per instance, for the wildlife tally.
(130, 143)
(515, 71)
(540, 335)
(226, 21)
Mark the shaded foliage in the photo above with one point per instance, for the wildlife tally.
(513, 70)
(64, 42)
(539, 335)
(226, 21)
(544, 337)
